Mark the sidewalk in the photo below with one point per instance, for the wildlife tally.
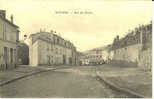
(129, 79)
(9, 76)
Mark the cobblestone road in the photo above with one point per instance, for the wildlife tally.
(60, 84)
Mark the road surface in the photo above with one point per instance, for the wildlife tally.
(58, 84)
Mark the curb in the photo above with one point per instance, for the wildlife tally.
(18, 78)
(15, 79)
(119, 89)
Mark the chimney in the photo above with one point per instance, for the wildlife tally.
(3, 13)
(117, 37)
(11, 18)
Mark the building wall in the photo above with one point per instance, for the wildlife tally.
(97, 55)
(9, 46)
(49, 52)
(8, 37)
(42, 52)
(52, 54)
(128, 53)
(30, 51)
(145, 59)
(7, 31)
(132, 49)
(35, 54)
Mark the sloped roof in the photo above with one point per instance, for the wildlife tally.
(6, 20)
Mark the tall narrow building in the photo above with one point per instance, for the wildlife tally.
(9, 37)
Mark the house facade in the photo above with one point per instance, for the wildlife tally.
(9, 37)
(97, 56)
(130, 49)
(127, 49)
(47, 48)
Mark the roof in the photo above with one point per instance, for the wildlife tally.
(33, 35)
(6, 20)
(40, 33)
(49, 33)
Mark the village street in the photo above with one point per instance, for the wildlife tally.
(77, 82)
(52, 49)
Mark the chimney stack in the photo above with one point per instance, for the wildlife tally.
(3, 13)
(117, 37)
(11, 18)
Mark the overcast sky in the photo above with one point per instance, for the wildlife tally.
(86, 31)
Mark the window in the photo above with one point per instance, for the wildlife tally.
(47, 47)
(57, 40)
(15, 55)
(6, 55)
(11, 54)
(4, 32)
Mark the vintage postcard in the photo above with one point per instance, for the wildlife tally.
(75, 49)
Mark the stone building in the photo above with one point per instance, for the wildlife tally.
(97, 55)
(9, 37)
(129, 48)
(145, 56)
(47, 48)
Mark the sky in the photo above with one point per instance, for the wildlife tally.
(105, 18)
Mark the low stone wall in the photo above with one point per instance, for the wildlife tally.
(145, 59)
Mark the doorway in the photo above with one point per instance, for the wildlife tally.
(64, 59)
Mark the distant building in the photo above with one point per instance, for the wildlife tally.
(9, 37)
(96, 56)
(47, 48)
(81, 58)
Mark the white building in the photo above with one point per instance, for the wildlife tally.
(97, 55)
(47, 48)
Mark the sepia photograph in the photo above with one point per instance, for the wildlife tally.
(76, 48)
